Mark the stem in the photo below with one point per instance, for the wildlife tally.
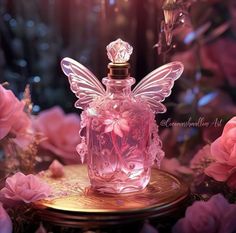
(117, 150)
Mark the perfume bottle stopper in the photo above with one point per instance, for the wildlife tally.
(119, 53)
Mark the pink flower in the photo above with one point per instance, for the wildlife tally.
(61, 132)
(117, 123)
(214, 216)
(220, 172)
(57, 169)
(24, 188)
(12, 117)
(223, 151)
(5, 221)
(173, 166)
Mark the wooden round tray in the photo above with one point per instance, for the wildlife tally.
(74, 204)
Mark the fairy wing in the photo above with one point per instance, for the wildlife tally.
(157, 85)
(82, 82)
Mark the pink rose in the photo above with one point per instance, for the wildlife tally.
(13, 119)
(61, 132)
(223, 151)
(24, 188)
(214, 216)
(5, 221)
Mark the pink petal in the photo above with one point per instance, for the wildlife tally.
(232, 158)
(11, 181)
(218, 151)
(125, 114)
(117, 130)
(57, 169)
(109, 128)
(124, 125)
(218, 171)
(108, 121)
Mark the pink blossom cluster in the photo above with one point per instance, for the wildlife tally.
(60, 131)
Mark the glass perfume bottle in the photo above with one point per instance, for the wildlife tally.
(121, 142)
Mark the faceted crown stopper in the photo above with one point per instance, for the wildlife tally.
(119, 51)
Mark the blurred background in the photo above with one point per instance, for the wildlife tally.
(36, 34)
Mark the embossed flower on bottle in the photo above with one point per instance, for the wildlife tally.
(117, 123)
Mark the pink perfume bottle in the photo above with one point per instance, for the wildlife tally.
(121, 142)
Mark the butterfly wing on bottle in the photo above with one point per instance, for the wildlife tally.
(82, 82)
(157, 85)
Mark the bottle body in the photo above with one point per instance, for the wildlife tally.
(118, 138)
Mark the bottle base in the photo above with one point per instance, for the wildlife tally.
(118, 186)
